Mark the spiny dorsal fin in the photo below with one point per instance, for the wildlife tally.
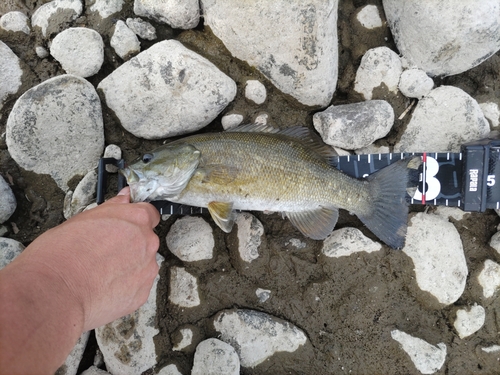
(223, 215)
(253, 128)
(316, 224)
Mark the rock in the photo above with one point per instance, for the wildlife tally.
(372, 149)
(191, 239)
(369, 17)
(353, 126)
(183, 288)
(378, 66)
(255, 91)
(52, 16)
(215, 357)
(347, 241)
(127, 343)
(170, 370)
(153, 93)
(70, 366)
(295, 242)
(15, 21)
(263, 294)
(444, 37)
(75, 202)
(79, 50)
(8, 201)
(494, 241)
(115, 152)
(256, 336)
(93, 370)
(300, 59)
(415, 83)
(453, 212)
(42, 125)
(231, 120)
(41, 52)
(9, 250)
(442, 273)
(427, 358)
(469, 322)
(124, 41)
(10, 73)
(250, 232)
(186, 339)
(489, 278)
(491, 349)
(106, 8)
(442, 121)
(491, 112)
(180, 14)
(141, 28)
(261, 119)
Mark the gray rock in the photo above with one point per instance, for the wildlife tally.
(9, 250)
(489, 278)
(186, 339)
(79, 50)
(231, 120)
(215, 357)
(15, 21)
(442, 121)
(263, 294)
(70, 366)
(255, 91)
(353, 126)
(369, 17)
(469, 321)
(50, 17)
(491, 113)
(435, 247)
(191, 239)
(250, 232)
(127, 343)
(347, 241)
(415, 83)
(256, 336)
(427, 358)
(444, 37)
(8, 201)
(141, 28)
(378, 66)
(180, 14)
(10, 73)
(494, 241)
(41, 52)
(154, 93)
(75, 202)
(112, 151)
(124, 41)
(93, 370)
(300, 59)
(170, 370)
(42, 125)
(183, 290)
(106, 8)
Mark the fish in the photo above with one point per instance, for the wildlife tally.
(261, 168)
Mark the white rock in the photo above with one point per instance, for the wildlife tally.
(442, 121)
(300, 59)
(444, 37)
(141, 28)
(106, 8)
(115, 152)
(170, 370)
(215, 357)
(453, 212)
(93, 370)
(79, 50)
(250, 232)
(186, 340)
(261, 119)
(494, 241)
(76, 201)
(67, 10)
(167, 90)
(124, 41)
(256, 336)
(8, 201)
(378, 66)
(180, 14)
(356, 125)
(469, 322)
(15, 21)
(42, 125)
(491, 112)
(127, 343)
(255, 91)
(183, 288)
(191, 239)
(70, 366)
(415, 83)
(347, 241)
(41, 52)
(489, 278)
(9, 250)
(491, 349)
(435, 247)
(369, 17)
(10, 73)
(427, 358)
(263, 294)
(372, 149)
(231, 120)
(295, 242)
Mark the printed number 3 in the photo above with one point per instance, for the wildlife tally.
(433, 184)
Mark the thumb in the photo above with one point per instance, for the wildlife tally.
(122, 197)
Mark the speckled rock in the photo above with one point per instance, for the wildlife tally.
(415, 83)
(231, 120)
(8, 201)
(492, 113)
(215, 357)
(70, 366)
(369, 17)
(180, 14)
(170, 370)
(494, 241)
(489, 278)
(191, 239)
(141, 28)
(9, 250)
(52, 16)
(10, 73)
(15, 21)
(250, 231)
(124, 41)
(93, 370)
(106, 8)
(183, 289)
(183, 339)
(347, 241)
(469, 321)
(255, 91)
(75, 202)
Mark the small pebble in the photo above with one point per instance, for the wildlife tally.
(489, 278)
(106, 8)
(415, 83)
(183, 288)
(186, 340)
(41, 52)
(263, 294)
(191, 239)
(141, 28)
(369, 17)
(231, 120)
(492, 113)
(124, 41)
(8, 201)
(112, 151)
(255, 91)
(494, 242)
(170, 370)
(15, 21)
(250, 232)
(347, 241)
(9, 250)
(469, 322)
(215, 357)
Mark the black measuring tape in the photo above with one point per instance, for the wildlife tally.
(469, 179)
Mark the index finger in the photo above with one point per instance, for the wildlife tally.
(153, 214)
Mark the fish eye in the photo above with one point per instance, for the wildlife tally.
(146, 158)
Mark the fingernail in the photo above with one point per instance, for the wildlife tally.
(124, 191)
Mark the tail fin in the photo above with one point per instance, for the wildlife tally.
(389, 210)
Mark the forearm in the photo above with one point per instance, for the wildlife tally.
(38, 318)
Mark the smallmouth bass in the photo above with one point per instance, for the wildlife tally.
(259, 168)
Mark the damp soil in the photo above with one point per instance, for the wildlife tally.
(348, 306)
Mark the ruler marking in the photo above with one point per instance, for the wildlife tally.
(424, 175)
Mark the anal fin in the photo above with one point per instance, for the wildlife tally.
(316, 224)
(223, 215)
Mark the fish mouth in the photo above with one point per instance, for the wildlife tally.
(130, 175)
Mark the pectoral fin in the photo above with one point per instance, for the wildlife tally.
(223, 215)
(316, 224)
(219, 174)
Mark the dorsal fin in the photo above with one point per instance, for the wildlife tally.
(253, 128)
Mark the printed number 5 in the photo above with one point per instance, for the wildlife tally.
(433, 184)
(491, 180)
